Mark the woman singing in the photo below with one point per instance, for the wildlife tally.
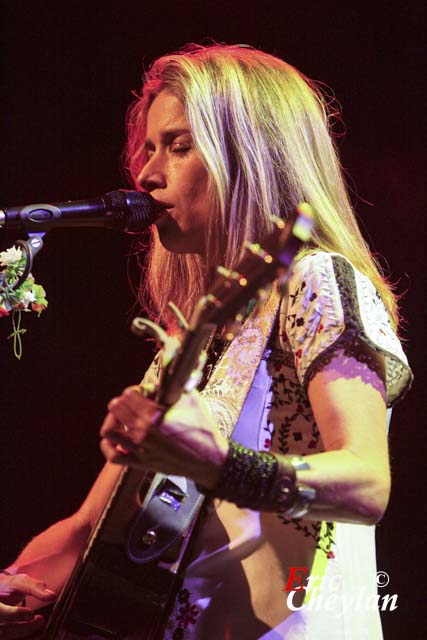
(287, 435)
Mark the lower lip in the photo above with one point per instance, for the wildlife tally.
(163, 214)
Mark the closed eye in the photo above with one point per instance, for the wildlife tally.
(181, 148)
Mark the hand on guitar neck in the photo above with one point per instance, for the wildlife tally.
(184, 441)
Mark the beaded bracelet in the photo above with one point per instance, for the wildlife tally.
(247, 477)
(258, 480)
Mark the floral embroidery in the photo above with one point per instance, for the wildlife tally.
(322, 533)
(268, 432)
(183, 595)
(291, 413)
(284, 336)
(185, 615)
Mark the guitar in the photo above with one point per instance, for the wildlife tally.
(125, 579)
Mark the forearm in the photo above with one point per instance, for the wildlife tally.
(352, 477)
(64, 537)
(348, 488)
(334, 485)
(52, 554)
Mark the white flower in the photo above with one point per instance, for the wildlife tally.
(28, 298)
(10, 256)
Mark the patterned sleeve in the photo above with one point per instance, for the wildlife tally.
(331, 306)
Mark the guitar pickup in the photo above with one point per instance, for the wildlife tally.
(169, 493)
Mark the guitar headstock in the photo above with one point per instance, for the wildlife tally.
(231, 290)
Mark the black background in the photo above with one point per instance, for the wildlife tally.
(68, 71)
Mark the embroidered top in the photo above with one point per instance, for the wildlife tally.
(240, 584)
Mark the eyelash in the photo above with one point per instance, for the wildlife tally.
(180, 150)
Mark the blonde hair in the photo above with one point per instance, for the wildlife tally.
(263, 131)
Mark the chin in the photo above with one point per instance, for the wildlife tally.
(175, 240)
(178, 245)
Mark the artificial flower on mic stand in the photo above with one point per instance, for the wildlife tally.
(18, 290)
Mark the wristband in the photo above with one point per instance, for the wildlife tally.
(258, 480)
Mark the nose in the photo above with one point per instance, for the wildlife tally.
(153, 174)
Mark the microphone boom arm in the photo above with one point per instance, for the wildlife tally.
(119, 210)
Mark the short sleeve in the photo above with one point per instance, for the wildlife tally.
(331, 306)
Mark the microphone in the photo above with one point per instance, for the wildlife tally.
(119, 210)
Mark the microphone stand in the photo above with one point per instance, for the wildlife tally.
(30, 247)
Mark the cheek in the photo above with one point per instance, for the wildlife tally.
(194, 183)
(200, 189)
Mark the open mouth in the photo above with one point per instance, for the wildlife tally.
(163, 216)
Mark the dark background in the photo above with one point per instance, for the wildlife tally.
(67, 74)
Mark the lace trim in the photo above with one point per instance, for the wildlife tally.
(353, 341)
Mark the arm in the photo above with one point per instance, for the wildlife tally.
(351, 477)
(51, 555)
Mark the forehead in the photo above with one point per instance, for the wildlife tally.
(166, 112)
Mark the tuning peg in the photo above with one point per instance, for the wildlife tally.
(232, 276)
(257, 250)
(223, 271)
(182, 322)
(140, 326)
(227, 275)
(216, 302)
(304, 224)
(279, 222)
(170, 344)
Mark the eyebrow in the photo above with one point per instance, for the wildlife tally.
(167, 136)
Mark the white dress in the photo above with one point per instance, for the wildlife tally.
(242, 580)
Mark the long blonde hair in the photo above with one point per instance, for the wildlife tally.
(263, 131)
